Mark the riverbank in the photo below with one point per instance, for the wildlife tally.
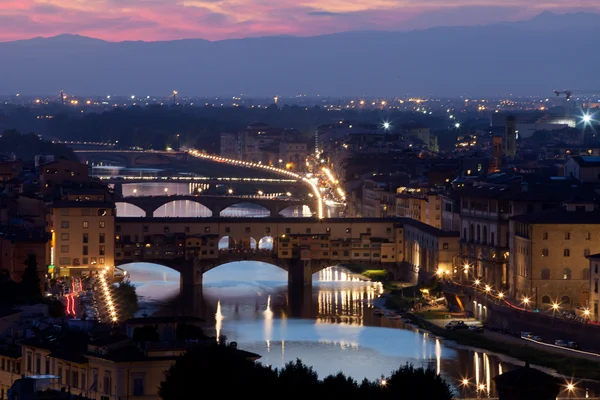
(574, 364)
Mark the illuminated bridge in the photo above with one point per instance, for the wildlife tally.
(198, 179)
(300, 246)
(216, 204)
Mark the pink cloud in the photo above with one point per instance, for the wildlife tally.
(150, 20)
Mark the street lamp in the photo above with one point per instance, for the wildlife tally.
(230, 191)
(570, 389)
(526, 302)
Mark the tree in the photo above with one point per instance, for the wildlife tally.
(220, 369)
(424, 384)
(31, 285)
(126, 298)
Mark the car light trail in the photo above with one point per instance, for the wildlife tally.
(314, 188)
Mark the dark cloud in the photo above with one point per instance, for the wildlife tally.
(326, 14)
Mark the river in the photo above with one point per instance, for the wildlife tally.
(335, 330)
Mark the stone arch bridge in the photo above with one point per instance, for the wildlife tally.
(192, 268)
(216, 204)
(301, 246)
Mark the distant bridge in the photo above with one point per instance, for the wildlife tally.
(198, 179)
(216, 204)
(132, 158)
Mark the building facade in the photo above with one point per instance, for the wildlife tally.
(83, 234)
(549, 261)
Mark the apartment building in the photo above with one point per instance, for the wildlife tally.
(549, 257)
(83, 232)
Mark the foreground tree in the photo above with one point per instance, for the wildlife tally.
(230, 372)
(31, 285)
(126, 297)
(219, 369)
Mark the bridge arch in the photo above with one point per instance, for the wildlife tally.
(297, 211)
(125, 209)
(245, 209)
(266, 243)
(227, 243)
(182, 208)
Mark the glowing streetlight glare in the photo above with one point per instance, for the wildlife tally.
(570, 387)
(477, 281)
(386, 125)
(526, 300)
(465, 382)
(383, 382)
(587, 118)
(555, 306)
(457, 125)
(500, 295)
(487, 288)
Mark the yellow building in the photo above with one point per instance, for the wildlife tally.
(419, 204)
(548, 253)
(83, 234)
(10, 369)
(429, 250)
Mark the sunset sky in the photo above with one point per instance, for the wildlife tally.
(151, 20)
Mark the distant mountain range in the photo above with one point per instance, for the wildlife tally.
(536, 56)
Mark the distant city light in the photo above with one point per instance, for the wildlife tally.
(386, 125)
(457, 125)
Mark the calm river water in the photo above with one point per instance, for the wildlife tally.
(336, 330)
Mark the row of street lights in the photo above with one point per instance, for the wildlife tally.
(315, 189)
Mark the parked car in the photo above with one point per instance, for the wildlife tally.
(455, 325)
(537, 338)
(526, 335)
(560, 343)
(476, 328)
(573, 345)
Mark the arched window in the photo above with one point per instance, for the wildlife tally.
(471, 233)
(585, 274)
(567, 253)
(478, 233)
(485, 235)
(465, 234)
(545, 274)
(565, 300)
(567, 274)
(546, 300)
(544, 252)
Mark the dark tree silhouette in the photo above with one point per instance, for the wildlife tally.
(126, 298)
(223, 370)
(31, 285)
(228, 372)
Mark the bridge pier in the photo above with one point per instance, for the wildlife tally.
(299, 273)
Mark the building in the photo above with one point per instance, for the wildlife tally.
(378, 198)
(10, 169)
(485, 213)
(510, 143)
(549, 253)
(10, 368)
(584, 169)
(594, 283)
(293, 154)
(420, 204)
(56, 173)
(83, 232)
(16, 244)
(261, 143)
(450, 211)
(429, 250)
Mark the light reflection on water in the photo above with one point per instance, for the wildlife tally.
(248, 302)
